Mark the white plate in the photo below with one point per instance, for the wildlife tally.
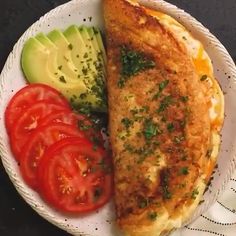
(78, 12)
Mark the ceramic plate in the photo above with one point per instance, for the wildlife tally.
(89, 12)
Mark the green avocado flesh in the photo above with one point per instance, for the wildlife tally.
(73, 62)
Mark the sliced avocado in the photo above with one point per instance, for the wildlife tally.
(35, 61)
(98, 34)
(98, 51)
(85, 56)
(64, 60)
(52, 50)
(91, 52)
(78, 47)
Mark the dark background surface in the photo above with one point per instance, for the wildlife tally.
(16, 217)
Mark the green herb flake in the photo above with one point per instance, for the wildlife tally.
(70, 46)
(203, 78)
(163, 85)
(170, 127)
(152, 215)
(143, 203)
(194, 194)
(62, 79)
(127, 122)
(59, 67)
(184, 171)
(165, 176)
(165, 103)
(184, 158)
(184, 99)
(85, 71)
(150, 129)
(83, 95)
(132, 62)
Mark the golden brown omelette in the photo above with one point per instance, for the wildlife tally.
(161, 132)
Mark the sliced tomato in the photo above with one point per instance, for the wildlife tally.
(28, 122)
(28, 96)
(79, 120)
(65, 117)
(38, 143)
(74, 177)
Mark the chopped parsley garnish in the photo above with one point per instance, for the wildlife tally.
(170, 127)
(62, 79)
(203, 78)
(184, 98)
(83, 95)
(150, 129)
(165, 176)
(184, 158)
(194, 194)
(166, 101)
(184, 171)
(152, 215)
(85, 71)
(143, 203)
(127, 122)
(132, 62)
(163, 85)
(70, 46)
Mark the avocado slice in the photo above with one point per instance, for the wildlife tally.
(78, 46)
(93, 39)
(52, 50)
(98, 34)
(91, 52)
(69, 62)
(36, 65)
(64, 61)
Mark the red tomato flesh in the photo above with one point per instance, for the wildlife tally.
(74, 177)
(28, 122)
(27, 96)
(79, 120)
(38, 143)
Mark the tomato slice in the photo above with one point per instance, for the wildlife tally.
(26, 97)
(74, 177)
(79, 120)
(65, 117)
(28, 122)
(38, 143)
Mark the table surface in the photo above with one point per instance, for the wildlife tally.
(16, 217)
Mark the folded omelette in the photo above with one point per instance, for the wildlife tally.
(165, 114)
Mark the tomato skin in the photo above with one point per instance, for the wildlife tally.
(29, 121)
(62, 180)
(27, 96)
(41, 139)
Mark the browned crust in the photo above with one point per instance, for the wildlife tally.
(130, 25)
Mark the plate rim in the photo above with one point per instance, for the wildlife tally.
(172, 10)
